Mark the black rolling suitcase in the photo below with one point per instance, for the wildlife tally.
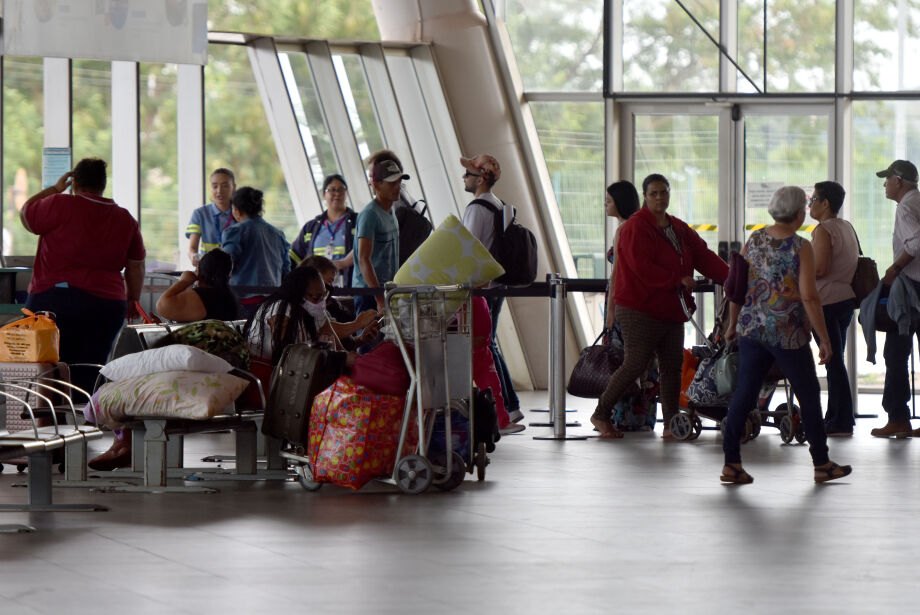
(302, 372)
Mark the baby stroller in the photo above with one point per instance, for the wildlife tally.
(704, 400)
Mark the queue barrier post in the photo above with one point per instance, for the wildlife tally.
(557, 409)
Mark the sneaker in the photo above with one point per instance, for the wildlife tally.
(516, 416)
(511, 428)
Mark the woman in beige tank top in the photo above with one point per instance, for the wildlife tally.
(836, 250)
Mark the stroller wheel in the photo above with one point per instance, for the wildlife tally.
(785, 429)
(697, 427)
(681, 426)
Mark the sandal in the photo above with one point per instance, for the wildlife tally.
(735, 476)
(831, 472)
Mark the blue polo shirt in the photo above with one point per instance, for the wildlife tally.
(209, 222)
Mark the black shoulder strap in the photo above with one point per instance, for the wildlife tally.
(487, 204)
(858, 247)
(497, 217)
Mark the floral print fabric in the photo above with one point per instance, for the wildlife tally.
(773, 312)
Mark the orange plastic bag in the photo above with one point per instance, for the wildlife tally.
(33, 339)
(687, 373)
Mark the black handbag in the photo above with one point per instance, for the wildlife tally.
(595, 365)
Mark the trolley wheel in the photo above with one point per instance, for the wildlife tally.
(785, 429)
(458, 471)
(1, 468)
(800, 435)
(305, 477)
(413, 474)
(723, 424)
(697, 427)
(21, 467)
(681, 426)
(481, 460)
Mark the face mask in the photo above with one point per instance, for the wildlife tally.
(317, 311)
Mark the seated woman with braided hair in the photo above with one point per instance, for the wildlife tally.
(210, 297)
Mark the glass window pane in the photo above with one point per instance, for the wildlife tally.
(800, 44)
(348, 19)
(781, 150)
(572, 139)
(92, 112)
(558, 44)
(237, 134)
(23, 138)
(665, 51)
(880, 130)
(886, 37)
(685, 149)
(357, 94)
(159, 161)
(309, 115)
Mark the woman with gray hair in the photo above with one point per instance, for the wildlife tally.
(780, 309)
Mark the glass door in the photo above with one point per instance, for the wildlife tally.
(778, 147)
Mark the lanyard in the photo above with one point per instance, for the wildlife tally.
(220, 231)
(338, 225)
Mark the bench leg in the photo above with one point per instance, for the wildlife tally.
(246, 448)
(155, 453)
(175, 451)
(75, 460)
(273, 453)
(40, 465)
(40, 479)
(138, 435)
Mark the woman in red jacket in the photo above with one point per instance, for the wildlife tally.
(656, 257)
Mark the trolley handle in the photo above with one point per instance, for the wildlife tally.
(683, 304)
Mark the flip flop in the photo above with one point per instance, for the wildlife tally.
(736, 476)
(822, 475)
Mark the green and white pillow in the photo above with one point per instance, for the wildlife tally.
(450, 255)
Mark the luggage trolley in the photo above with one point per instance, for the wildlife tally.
(435, 340)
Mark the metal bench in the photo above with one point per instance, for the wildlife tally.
(38, 445)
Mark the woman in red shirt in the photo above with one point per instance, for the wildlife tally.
(656, 257)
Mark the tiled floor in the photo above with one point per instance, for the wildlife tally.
(635, 526)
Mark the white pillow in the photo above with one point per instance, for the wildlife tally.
(188, 395)
(174, 358)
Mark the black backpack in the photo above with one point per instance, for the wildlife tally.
(515, 248)
(414, 226)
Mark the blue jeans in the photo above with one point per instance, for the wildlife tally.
(799, 367)
(839, 415)
(504, 376)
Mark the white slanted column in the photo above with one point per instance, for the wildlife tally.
(190, 139)
(57, 102)
(124, 167)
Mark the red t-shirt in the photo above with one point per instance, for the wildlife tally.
(84, 240)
